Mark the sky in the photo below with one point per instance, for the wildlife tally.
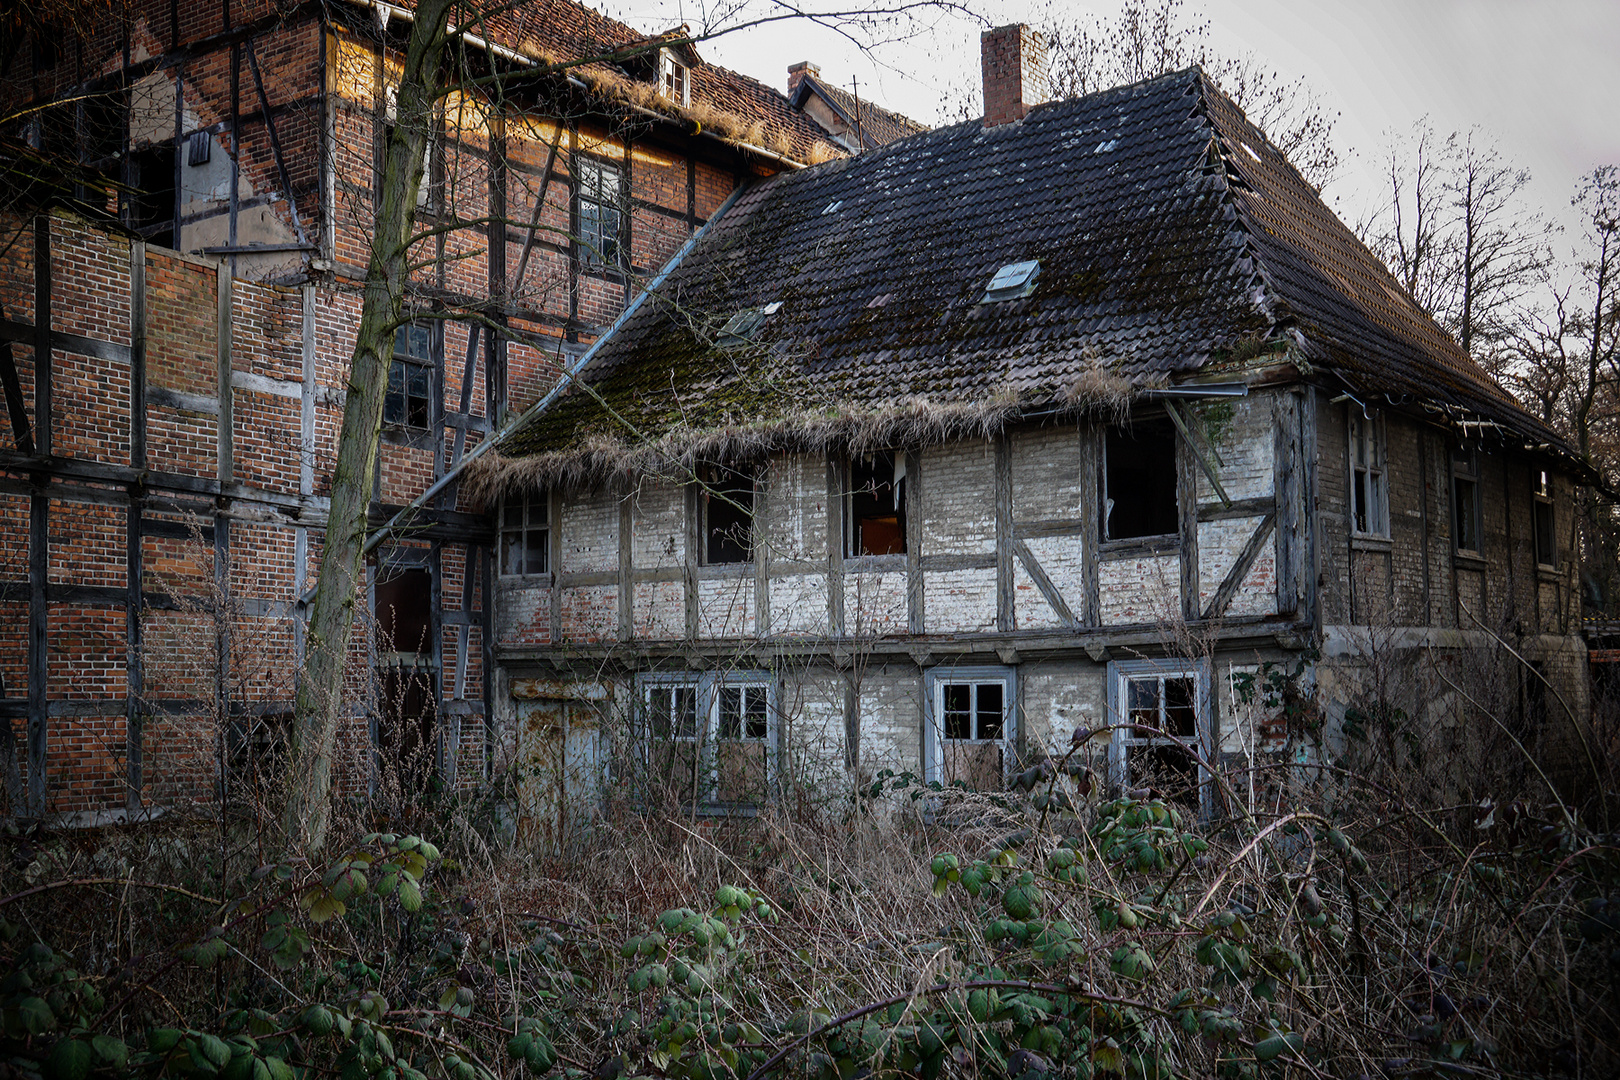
(1540, 78)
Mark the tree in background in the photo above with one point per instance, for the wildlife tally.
(1457, 234)
(1148, 38)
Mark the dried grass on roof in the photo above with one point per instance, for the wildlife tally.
(600, 460)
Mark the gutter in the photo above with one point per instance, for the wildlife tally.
(544, 403)
(386, 11)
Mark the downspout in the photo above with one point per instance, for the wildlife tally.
(540, 406)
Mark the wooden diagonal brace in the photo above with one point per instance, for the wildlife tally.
(1240, 569)
(275, 142)
(16, 406)
(1197, 451)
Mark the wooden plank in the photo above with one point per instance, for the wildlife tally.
(16, 407)
(134, 683)
(1091, 525)
(39, 507)
(835, 544)
(916, 613)
(42, 335)
(1037, 573)
(1240, 569)
(444, 749)
(1187, 515)
(1239, 508)
(554, 543)
(1286, 498)
(223, 291)
(1198, 454)
(1006, 615)
(937, 563)
(626, 574)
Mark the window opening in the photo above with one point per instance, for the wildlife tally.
(1465, 504)
(674, 79)
(407, 684)
(726, 508)
(1369, 503)
(1543, 523)
(601, 212)
(1139, 480)
(877, 503)
(1159, 731)
(526, 535)
(972, 733)
(708, 738)
(409, 401)
(746, 324)
(151, 205)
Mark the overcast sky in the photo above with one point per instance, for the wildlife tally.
(1541, 77)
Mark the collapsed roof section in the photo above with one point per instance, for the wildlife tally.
(1172, 240)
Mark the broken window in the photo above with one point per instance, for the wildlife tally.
(1139, 480)
(407, 684)
(409, 402)
(526, 535)
(971, 728)
(599, 231)
(1158, 710)
(151, 205)
(1465, 503)
(877, 504)
(707, 740)
(1369, 501)
(1544, 529)
(674, 78)
(726, 513)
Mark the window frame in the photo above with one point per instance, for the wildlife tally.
(591, 249)
(1122, 740)
(935, 681)
(711, 483)
(674, 78)
(1544, 510)
(1364, 433)
(524, 530)
(1464, 465)
(1172, 483)
(854, 547)
(409, 364)
(709, 687)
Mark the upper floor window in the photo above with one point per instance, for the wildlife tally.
(526, 535)
(1466, 515)
(1160, 709)
(674, 78)
(409, 401)
(1369, 498)
(726, 514)
(599, 233)
(1139, 480)
(1544, 527)
(971, 729)
(877, 503)
(708, 739)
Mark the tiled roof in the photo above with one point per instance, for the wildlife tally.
(878, 126)
(1168, 231)
(563, 30)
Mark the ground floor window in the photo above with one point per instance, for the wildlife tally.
(971, 730)
(707, 739)
(1159, 712)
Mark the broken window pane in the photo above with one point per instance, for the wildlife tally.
(726, 503)
(1139, 480)
(877, 504)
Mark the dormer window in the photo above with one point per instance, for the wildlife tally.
(1013, 281)
(674, 78)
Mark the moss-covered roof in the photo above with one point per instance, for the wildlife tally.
(1168, 231)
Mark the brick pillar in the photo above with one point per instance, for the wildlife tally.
(1014, 62)
(797, 72)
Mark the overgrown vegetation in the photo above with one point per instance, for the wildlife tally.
(1357, 927)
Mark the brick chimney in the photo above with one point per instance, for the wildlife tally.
(797, 72)
(1014, 62)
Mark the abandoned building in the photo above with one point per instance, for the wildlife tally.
(924, 459)
(809, 464)
(174, 359)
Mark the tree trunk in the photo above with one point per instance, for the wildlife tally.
(319, 706)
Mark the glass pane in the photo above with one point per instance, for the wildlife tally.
(1180, 708)
(730, 712)
(396, 378)
(1142, 704)
(659, 712)
(536, 555)
(958, 711)
(756, 724)
(538, 507)
(512, 514)
(1376, 518)
(1358, 500)
(1464, 510)
(989, 710)
(511, 553)
(418, 385)
(394, 408)
(402, 341)
(421, 340)
(685, 712)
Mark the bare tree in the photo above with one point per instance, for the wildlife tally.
(1150, 37)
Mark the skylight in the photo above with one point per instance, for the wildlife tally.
(1013, 281)
(746, 324)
